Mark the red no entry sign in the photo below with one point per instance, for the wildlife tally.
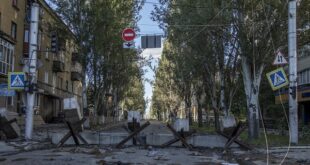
(128, 34)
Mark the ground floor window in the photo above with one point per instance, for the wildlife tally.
(10, 101)
(6, 57)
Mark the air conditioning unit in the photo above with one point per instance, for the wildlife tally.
(22, 61)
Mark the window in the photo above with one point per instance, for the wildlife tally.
(26, 36)
(14, 3)
(10, 101)
(37, 99)
(308, 77)
(13, 30)
(67, 85)
(304, 77)
(59, 82)
(6, 57)
(46, 53)
(0, 20)
(46, 77)
(39, 39)
(72, 85)
(54, 79)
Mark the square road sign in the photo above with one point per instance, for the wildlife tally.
(16, 80)
(277, 79)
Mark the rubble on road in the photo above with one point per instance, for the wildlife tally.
(19, 151)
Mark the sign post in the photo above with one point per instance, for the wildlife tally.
(16, 80)
(280, 59)
(128, 36)
(277, 79)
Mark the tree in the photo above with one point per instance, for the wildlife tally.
(202, 52)
(112, 72)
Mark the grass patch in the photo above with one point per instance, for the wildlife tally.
(203, 129)
(273, 140)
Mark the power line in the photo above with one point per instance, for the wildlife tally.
(187, 6)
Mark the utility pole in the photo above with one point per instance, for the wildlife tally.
(293, 105)
(32, 75)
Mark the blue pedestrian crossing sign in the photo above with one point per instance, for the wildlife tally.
(16, 80)
(277, 79)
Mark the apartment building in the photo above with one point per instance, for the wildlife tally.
(59, 74)
(303, 90)
(12, 18)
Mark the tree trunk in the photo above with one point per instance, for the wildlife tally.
(199, 115)
(223, 107)
(84, 97)
(251, 80)
(253, 117)
(216, 119)
(188, 109)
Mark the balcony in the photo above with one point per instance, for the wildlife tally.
(58, 66)
(76, 71)
(75, 57)
(58, 62)
(76, 76)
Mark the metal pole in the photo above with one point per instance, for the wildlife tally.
(32, 68)
(293, 105)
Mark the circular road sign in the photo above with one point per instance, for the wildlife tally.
(128, 34)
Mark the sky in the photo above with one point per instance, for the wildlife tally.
(149, 27)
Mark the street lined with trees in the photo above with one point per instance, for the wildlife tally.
(222, 50)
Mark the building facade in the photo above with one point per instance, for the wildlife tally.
(59, 73)
(303, 90)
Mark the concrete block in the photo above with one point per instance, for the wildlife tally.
(180, 124)
(11, 131)
(71, 103)
(72, 115)
(210, 141)
(107, 138)
(159, 139)
(227, 122)
(94, 138)
(133, 114)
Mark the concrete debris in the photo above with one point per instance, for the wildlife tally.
(11, 130)
(5, 148)
(96, 151)
(152, 153)
(195, 154)
(103, 153)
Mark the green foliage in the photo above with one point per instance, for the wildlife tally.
(113, 74)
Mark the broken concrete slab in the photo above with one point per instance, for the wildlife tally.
(9, 128)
